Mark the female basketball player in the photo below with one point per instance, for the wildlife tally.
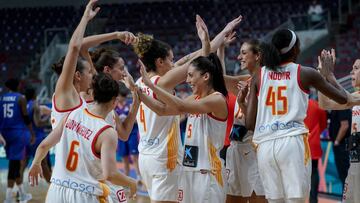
(351, 192)
(159, 143)
(276, 110)
(244, 183)
(87, 148)
(75, 74)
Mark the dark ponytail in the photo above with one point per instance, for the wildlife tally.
(58, 66)
(149, 49)
(270, 56)
(104, 57)
(212, 65)
(271, 53)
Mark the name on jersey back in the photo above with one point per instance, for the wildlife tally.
(279, 75)
(78, 128)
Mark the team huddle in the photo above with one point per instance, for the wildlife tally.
(268, 159)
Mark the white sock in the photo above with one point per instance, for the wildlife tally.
(295, 200)
(21, 189)
(9, 193)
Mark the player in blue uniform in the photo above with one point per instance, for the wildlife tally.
(129, 147)
(39, 122)
(14, 120)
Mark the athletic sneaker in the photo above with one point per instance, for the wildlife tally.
(25, 197)
(9, 201)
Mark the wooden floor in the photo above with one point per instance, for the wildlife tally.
(39, 193)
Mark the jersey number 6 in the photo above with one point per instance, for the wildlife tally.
(73, 157)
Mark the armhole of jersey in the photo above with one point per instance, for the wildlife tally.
(260, 76)
(95, 139)
(155, 82)
(299, 80)
(67, 110)
(227, 107)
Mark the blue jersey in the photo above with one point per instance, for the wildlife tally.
(10, 111)
(39, 132)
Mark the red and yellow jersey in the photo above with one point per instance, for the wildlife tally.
(77, 165)
(282, 104)
(159, 135)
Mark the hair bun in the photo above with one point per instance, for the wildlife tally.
(143, 45)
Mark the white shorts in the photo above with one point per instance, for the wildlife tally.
(352, 184)
(242, 170)
(117, 193)
(197, 187)
(161, 185)
(285, 167)
(60, 194)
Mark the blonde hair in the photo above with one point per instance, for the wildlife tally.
(143, 45)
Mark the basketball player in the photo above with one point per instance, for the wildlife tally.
(86, 151)
(159, 144)
(276, 110)
(351, 192)
(14, 121)
(202, 180)
(74, 73)
(244, 183)
(38, 123)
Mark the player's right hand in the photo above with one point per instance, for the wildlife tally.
(133, 189)
(34, 173)
(89, 12)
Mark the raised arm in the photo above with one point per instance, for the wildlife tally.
(107, 143)
(251, 111)
(65, 89)
(328, 85)
(209, 104)
(178, 74)
(95, 40)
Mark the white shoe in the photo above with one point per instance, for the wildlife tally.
(9, 201)
(25, 197)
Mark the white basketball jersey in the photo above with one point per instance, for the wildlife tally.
(204, 138)
(355, 127)
(159, 135)
(110, 118)
(57, 115)
(77, 165)
(239, 119)
(282, 104)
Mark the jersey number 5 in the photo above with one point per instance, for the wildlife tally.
(274, 96)
(73, 157)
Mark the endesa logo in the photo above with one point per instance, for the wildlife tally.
(149, 142)
(276, 126)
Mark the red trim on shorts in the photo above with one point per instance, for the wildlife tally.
(67, 110)
(155, 82)
(258, 92)
(95, 139)
(299, 81)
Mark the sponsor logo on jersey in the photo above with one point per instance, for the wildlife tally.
(278, 126)
(149, 142)
(74, 184)
(120, 194)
